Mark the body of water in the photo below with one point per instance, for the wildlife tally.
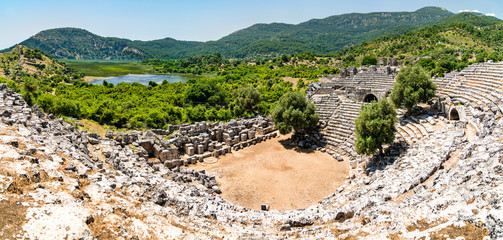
(142, 79)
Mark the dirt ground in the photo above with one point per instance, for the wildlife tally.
(12, 217)
(277, 174)
(292, 80)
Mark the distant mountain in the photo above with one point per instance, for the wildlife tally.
(75, 43)
(326, 35)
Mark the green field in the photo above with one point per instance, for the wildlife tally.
(108, 68)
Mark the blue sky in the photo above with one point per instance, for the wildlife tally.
(197, 20)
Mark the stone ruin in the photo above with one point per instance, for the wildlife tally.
(439, 179)
(185, 144)
(338, 100)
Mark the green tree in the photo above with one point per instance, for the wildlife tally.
(369, 60)
(30, 87)
(427, 64)
(152, 84)
(293, 111)
(413, 85)
(301, 83)
(481, 57)
(246, 100)
(494, 56)
(205, 92)
(375, 126)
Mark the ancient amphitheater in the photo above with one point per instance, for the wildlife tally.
(442, 178)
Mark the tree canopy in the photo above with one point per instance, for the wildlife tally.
(205, 92)
(246, 100)
(412, 86)
(293, 111)
(375, 126)
(30, 88)
(369, 60)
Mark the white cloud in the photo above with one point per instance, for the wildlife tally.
(490, 14)
(467, 10)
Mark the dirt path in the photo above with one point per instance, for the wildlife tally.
(276, 174)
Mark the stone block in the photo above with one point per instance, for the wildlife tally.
(226, 136)
(164, 155)
(157, 151)
(190, 151)
(251, 134)
(153, 161)
(200, 149)
(243, 136)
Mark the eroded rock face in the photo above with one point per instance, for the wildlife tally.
(62, 183)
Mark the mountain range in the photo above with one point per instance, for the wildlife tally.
(321, 36)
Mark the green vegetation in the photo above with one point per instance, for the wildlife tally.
(375, 126)
(319, 36)
(452, 44)
(74, 43)
(246, 101)
(303, 65)
(293, 111)
(108, 68)
(30, 88)
(227, 89)
(413, 85)
(469, 18)
(221, 96)
(34, 71)
(369, 60)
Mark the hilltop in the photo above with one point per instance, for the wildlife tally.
(319, 36)
(22, 62)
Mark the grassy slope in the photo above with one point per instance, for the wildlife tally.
(109, 68)
(20, 63)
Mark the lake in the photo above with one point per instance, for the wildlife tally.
(142, 79)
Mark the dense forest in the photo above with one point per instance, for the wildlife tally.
(320, 36)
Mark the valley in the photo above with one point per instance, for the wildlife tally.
(380, 125)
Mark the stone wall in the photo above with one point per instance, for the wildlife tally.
(191, 143)
(357, 82)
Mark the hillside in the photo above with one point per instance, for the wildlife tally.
(326, 35)
(22, 62)
(470, 18)
(454, 41)
(74, 43)
(319, 36)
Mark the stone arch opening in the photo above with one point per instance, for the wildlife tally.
(454, 114)
(369, 98)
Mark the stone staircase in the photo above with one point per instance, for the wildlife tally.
(411, 130)
(479, 85)
(326, 106)
(340, 129)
